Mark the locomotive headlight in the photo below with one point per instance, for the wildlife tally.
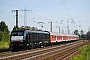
(30, 43)
(11, 41)
(35, 43)
(11, 44)
(21, 41)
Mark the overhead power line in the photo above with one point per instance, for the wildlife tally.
(68, 29)
(25, 15)
(38, 4)
(81, 14)
(9, 4)
(3, 12)
(34, 6)
(64, 2)
(53, 6)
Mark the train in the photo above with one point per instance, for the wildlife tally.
(27, 39)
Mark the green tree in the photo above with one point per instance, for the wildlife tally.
(4, 32)
(34, 28)
(76, 32)
(3, 27)
(81, 32)
(2, 37)
(88, 35)
(14, 28)
(83, 36)
(26, 27)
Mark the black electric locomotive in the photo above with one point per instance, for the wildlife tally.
(29, 39)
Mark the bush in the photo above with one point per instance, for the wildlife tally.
(4, 36)
(1, 36)
(84, 55)
(4, 40)
(4, 45)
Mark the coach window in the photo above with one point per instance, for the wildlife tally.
(63, 36)
(53, 36)
(57, 36)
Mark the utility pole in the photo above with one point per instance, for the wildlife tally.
(59, 29)
(16, 18)
(50, 26)
(25, 15)
(68, 30)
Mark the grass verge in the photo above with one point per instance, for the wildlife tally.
(4, 45)
(84, 55)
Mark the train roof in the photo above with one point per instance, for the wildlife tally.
(52, 33)
(60, 34)
(45, 32)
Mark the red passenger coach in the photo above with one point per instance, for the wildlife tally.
(64, 37)
(53, 37)
(76, 37)
(57, 37)
(69, 37)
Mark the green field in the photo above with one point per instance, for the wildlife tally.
(84, 55)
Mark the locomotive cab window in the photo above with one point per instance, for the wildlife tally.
(17, 33)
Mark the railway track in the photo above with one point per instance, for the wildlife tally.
(64, 54)
(12, 53)
(46, 53)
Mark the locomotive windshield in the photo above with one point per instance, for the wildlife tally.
(17, 33)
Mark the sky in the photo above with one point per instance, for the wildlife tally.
(76, 12)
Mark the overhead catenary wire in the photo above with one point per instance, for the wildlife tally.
(25, 15)
(22, 2)
(15, 6)
(9, 4)
(68, 12)
(54, 6)
(34, 6)
(3, 12)
(18, 7)
(46, 18)
(43, 10)
(39, 5)
(81, 14)
(68, 28)
(58, 4)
